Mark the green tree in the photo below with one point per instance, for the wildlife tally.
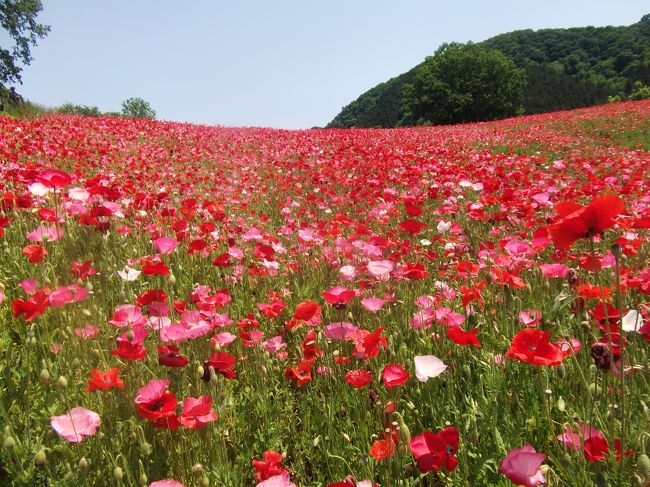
(465, 83)
(138, 108)
(18, 19)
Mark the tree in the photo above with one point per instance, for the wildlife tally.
(138, 108)
(465, 83)
(18, 19)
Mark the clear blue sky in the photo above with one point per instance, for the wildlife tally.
(277, 63)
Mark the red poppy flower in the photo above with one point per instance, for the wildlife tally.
(309, 347)
(301, 374)
(33, 307)
(383, 449)
(394, 376)
(367, 344)
(577, 221)
(269, 467)
(434, 451)
(83, 270)
(222, 363)
(105, 381)
(307, 312)
(533, 347)
(154, 401)
(461, 337)
(338, 296)
(34, 253)
(412, 227)
(358, 378)
(169, 357)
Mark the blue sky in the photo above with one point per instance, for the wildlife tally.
(276, 63)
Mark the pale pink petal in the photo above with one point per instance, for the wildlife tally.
(76, 424)
(428, 367)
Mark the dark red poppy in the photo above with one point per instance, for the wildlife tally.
(169, 357)
(223, 363)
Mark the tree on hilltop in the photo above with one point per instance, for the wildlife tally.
(465, 83)
(138, 108)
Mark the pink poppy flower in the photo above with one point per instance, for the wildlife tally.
(2, 295)
(521, 466)
(380, 269)
(165, 245)
(373, 304)
(274, 344)
(29, 286)
(340, 331)
(76, 424)
(282, 480)
(166, 483)
(128, 315)
(224, 338)
(560, 271)
(67, 294)
(45, 234)
(197, 412)
(531, 317)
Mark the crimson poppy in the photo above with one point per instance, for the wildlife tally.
(434, 451)
(169, 357)
(358, 378)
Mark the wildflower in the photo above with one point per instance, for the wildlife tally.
(105, 381)
(434, 451)
(521, 466)
(76, 424)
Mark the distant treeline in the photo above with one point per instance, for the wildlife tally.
(564, 69)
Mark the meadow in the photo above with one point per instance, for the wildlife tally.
(434, 306)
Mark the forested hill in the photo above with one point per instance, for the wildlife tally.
(565, 68)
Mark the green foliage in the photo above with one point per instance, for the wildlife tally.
(73, 109)
(18, 20)
(640, 91)
(465, 83)
(565, 68)
(137, 108)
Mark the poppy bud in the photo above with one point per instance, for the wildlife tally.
(118, 475)
(75, 364)
(143, 480)
(316, 441)
(617, 251)
(40, 458)
(205, 481)
(644, 466)
(62, 382)
(83, 463)
(146, 449)
(560, 370)
(172, 279)
(9, 443)
(346, 437)
(44, 376)
(561, 405)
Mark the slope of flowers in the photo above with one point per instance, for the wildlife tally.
(191, 305)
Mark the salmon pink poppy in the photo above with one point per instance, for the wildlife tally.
(76, 424)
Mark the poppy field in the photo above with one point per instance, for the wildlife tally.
(185, 305)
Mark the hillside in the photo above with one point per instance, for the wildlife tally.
(565, 68)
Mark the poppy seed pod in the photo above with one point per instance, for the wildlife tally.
(644, 466)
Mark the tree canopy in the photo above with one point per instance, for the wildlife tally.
(465, 83)
(18, 20)
(138, 108)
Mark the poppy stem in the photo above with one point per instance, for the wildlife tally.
(619, 299)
